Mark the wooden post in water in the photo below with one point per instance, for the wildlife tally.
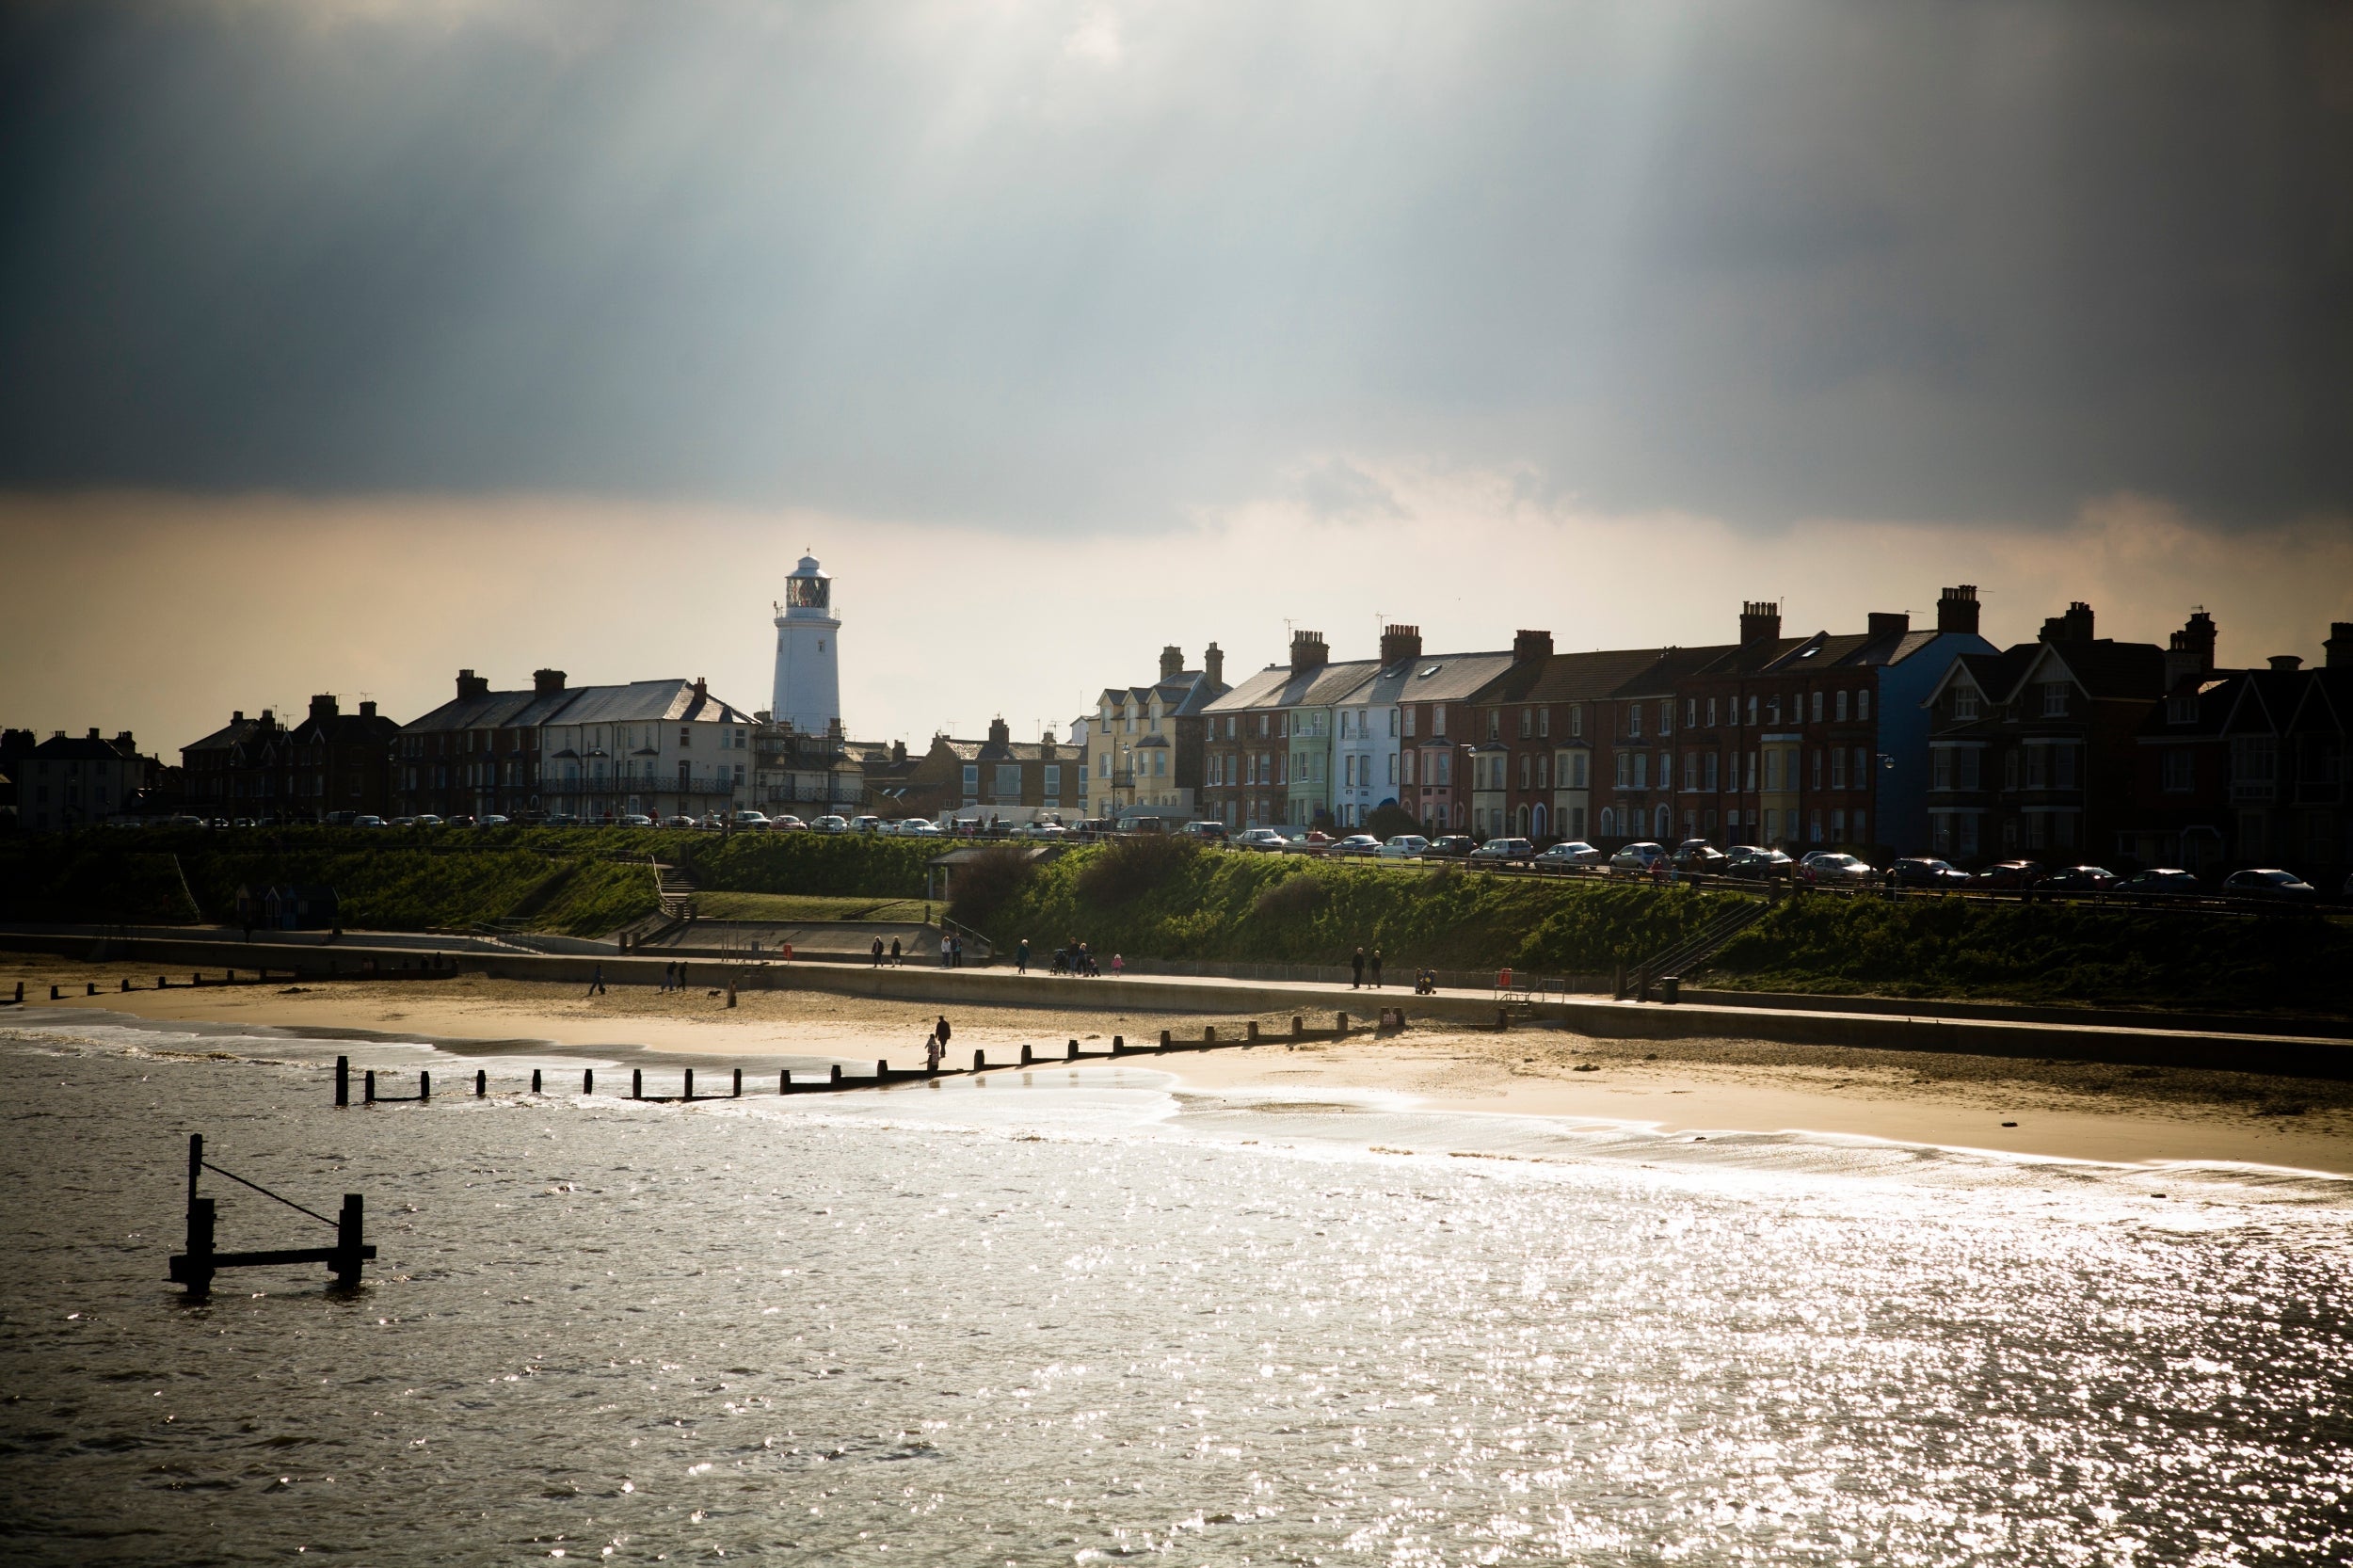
(1119, 1043)
(587, 1081)
(55, 994)
(126, 982)
(739, 1084)
(93, 989)
(161, 984)
(481, 1083)
(690, 1083)
(836, 1075)
(343, 1081)
(196, 1271)
(980, 1061)
(784, 1080)
(882, 1072)
(1025, 1056)
(637, 1083)
(1074, 1050)
(534, 1080)
(371, 1086)
(348, 1242)
(425, 1086)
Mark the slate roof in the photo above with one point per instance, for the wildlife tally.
(638, 702)
(1280, 686)
(77, 748)
(1570, 677)
(1671, 665)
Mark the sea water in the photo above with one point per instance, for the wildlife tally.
(1072, 1316)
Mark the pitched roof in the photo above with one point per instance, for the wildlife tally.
(1280, 686)
(77, 748)
(637, 702)
(2107, 668)
(1671, 665)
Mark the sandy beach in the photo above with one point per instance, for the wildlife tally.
(2067, 1110)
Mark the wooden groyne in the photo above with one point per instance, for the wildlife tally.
(835, 1079)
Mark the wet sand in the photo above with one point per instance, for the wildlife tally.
(2062, 1108)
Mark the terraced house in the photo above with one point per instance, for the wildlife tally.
(1269, 741)
(1149, 745)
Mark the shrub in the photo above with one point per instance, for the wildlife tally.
(1294, 898)
(1388, 822)
(1129, 868)
(984, 885)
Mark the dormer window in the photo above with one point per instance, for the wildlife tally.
(2181, 708)
(1964, 702)
(2055, 699)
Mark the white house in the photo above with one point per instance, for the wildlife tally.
(658, 748)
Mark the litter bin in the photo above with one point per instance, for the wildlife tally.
(1669, 987)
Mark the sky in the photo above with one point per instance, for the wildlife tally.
(347, 343)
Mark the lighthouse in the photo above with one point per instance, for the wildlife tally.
(808, 669)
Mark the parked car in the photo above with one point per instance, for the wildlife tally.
(2081, 879)
(1040, 830)
(1455, 846)
(425, 819)
(1212, 832)
(367, 819)
(2268, 883)
(866, 824)
(918, 828)
(1264, 839)
(2161, 881)
(757, 821)
(636, 819)
(2009, 874)
(1919, 870)
(1636, 860)
(492, 821)
(1405, 846)
(830, 824)
(1831, 869)
(1569, 851)
(1698, 857)
(1760, 865)
(1317, 838)
(1496, 850)
(1357, 843)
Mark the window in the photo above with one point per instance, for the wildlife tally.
(1626, 770)
(1964, 702)
(1392, 767)
(685, 737)
(1008, 782)
(2055, 699)
(1752, 771)
(1495, 722)
(1578, 763)
(1842, 706)
(2179, 770)
(1666, 716)
(1409, 722)
(1772, 708)
(1817, 707)
(1690, 770)
(1528, 722)
(1544, 722)
(1817, 763)
(1862, 710)
(1437, 721)
(1711, 770)
(1577, 720)
(1838, 765)
(1543, 772)
(1814, 829)
(1861, 837)
(1862, 767)
(1528, 766)
(1691, 713)
(1641, 770)
(1752, 709)
(971, 780)
(1711, 712)
(1445, 767)
(2063, 768)
(1634, 720)
(2010, 770)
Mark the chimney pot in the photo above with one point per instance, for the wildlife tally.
(1760, 621)
(470, 685)
(323, 706)
(93, 731)
(1308, 652)
(367, 709)
(2286, 664)
(236, 716)
(1399, 645)
(1957, 609)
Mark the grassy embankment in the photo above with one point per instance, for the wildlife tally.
(1170, 903)
(579, 882)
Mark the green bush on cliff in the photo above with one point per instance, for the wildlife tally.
(2042, 953)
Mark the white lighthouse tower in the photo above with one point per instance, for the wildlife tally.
(808, 668)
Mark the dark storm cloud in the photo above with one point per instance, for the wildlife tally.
(1091, 265)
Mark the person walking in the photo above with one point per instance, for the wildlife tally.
(877, 954)
(1119, 966)
(1376, 969)
(1356, 966)
(941, 1031)
(596, 981)
(894, 953)
(946, 956)
(1021, 957)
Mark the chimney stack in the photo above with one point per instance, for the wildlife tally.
(1957, 609)
(367, 709)
(323, 706)
(2283, 664)
(1889, 623)
(1528, 646)
(470, 685)
(93, 729)
(702, 689)
(999, 733)
(2189, 654)
(237, 716)
(1172, 661)
(2073, 627)
(1213, 664)
(546, 682)
(1308, 652)
(1760, 620)
(1399, 645)
(2340, 644)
